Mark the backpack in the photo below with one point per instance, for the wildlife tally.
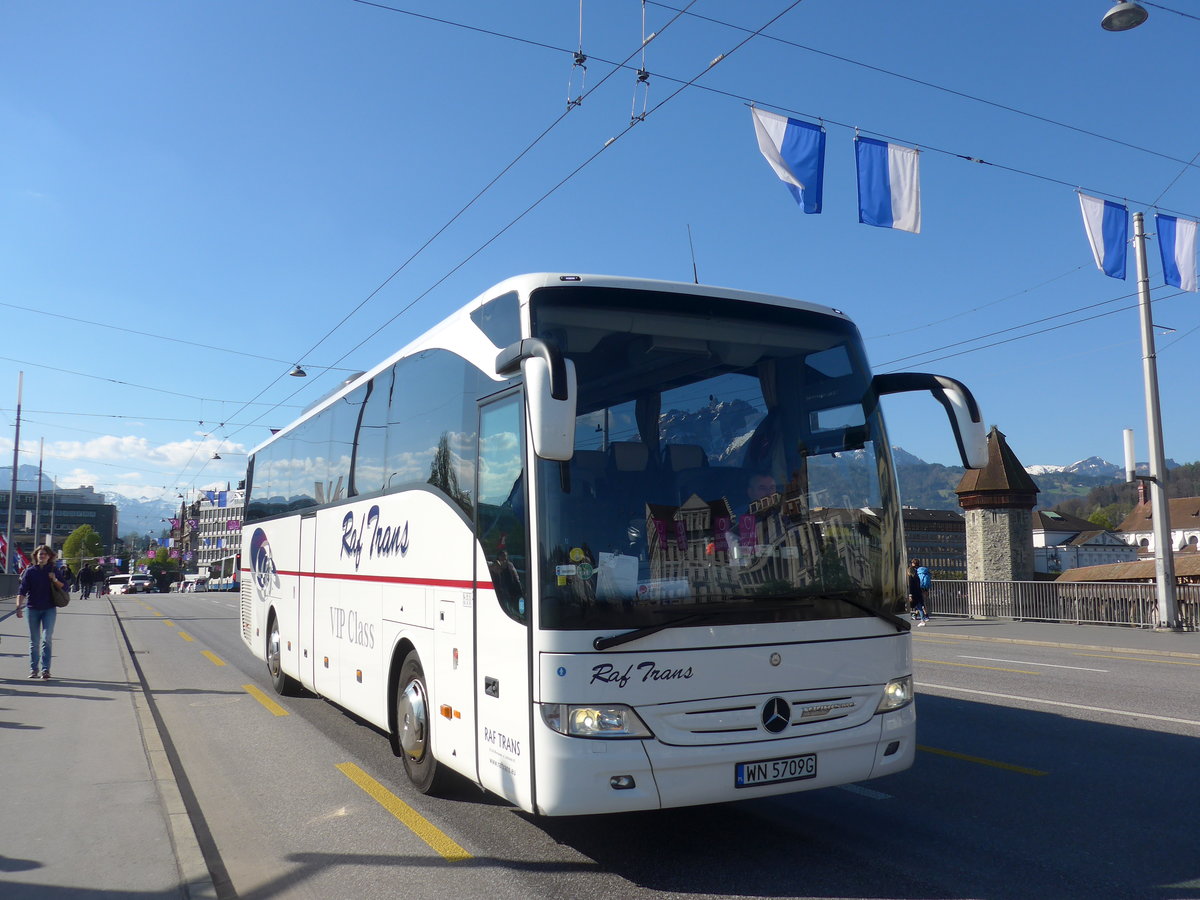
(924, 577)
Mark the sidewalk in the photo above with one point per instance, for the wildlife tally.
(91, 807)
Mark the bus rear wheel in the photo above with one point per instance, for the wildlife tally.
(414, 723)
(283, 683)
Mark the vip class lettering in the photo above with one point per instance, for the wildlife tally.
(381, 540)
(607, 673)
(347, 626)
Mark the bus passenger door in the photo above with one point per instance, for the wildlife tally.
(307, 588)
(502, 642)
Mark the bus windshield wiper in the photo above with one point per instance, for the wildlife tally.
(615, 640)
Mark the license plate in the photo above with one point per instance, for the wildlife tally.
(775, 771)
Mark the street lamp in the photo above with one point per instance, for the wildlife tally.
(1123, 17)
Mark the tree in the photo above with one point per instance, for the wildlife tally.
(82, 546)
(1101, 519)
(163, 568)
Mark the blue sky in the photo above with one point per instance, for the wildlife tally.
(195, 195)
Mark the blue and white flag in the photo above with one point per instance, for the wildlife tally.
(796, 151)
(889, 185)
(1107, 226)
(1177, 244)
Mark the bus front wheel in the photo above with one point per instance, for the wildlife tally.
(414, 723)
(283, 683)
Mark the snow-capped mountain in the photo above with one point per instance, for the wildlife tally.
(1095, 467)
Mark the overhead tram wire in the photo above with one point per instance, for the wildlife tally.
(144, 387)
(826, 119)
(975, 309)
(1022, 337)
(962, 94)
(536, 203)
(145, 334)
(937, 87)
(1168, 9)
(616, 68)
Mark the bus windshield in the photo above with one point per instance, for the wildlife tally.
(729, 466)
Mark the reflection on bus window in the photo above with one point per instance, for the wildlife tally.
(501, 507)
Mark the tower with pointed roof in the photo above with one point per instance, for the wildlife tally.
(998, 502)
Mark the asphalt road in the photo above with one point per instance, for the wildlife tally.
(1043, 772)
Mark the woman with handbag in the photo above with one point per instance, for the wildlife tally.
(36, 591)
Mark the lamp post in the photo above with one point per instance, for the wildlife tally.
(1164, 560)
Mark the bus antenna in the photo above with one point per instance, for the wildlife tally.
(692, 247)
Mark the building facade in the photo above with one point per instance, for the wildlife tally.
(937, 537)
(218, 527)
(59, 512)
(1062, 542)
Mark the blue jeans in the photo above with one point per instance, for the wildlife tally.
(41, 636)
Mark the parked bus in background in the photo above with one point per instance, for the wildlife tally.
(601, 544)
(225, 574)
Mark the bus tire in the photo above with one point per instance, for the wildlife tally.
(283, 683)
(414, 724)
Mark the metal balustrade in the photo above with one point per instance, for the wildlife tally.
(1083, 603)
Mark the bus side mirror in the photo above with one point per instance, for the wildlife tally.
(550, 392)
(956, 399)
(551, 421)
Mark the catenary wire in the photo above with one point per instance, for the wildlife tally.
(616, 68)
(683, 86)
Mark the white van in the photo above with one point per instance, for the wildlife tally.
(119, 584)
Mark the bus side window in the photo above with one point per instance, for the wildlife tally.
(500, 511)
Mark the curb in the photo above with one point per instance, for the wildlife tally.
(196, 881)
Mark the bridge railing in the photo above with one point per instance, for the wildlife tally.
(1091, 603)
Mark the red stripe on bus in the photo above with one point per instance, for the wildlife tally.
(390, 579)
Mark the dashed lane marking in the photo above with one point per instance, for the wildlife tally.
(938, 662)
(416, 823)
(979, 760)
(272, 707)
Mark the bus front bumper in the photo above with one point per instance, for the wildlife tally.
(577, 776)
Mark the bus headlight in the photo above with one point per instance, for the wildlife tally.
(897, 694)
(615, 721)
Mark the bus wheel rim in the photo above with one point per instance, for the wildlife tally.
(414, 720)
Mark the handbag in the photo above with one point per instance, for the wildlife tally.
(59, 595)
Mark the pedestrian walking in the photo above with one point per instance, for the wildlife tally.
(86, 579)
(916, 594)
(34, 593)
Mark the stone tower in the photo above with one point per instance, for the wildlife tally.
(998, 501)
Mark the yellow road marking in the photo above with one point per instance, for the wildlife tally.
(981, 761)
(938, 662)
(213, 658)
(168, 622)
(272, 707)
(1170, 662)
(416, 823)
(185, 636)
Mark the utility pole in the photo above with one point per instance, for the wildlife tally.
(1164, 559)
(12, 496)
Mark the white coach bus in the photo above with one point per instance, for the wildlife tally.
(602, 544)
